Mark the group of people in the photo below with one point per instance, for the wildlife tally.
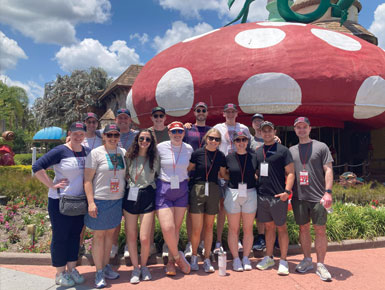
(164, 171)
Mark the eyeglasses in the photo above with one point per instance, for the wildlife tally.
(238, 140)
(199, 110)
(110, 135)
(177, 132)
(211, 138)
(156, 116)
(91, 122)
(141, 139)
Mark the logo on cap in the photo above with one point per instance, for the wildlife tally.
(112, 126)
(79, 125)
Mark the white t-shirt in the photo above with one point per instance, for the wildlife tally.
(172, 155)
(92, 143)
(227, 145)
(100, 160)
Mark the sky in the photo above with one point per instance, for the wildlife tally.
(42, 38)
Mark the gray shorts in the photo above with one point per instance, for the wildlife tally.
(304, 210)
(235, 204)
(270, 209)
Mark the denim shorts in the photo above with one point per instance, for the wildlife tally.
(109, 215)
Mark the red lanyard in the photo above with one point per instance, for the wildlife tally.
(136, 169)
(307, 151)
(212, 163)
(240, 167)
(114, 161)
(173, 157)
(264, 153)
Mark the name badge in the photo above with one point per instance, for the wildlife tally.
(206, 189)
(81, 163)
(304, 177)
(264, 169)
(174, 182)
(133, 193)
(114, 185)
(242, 189)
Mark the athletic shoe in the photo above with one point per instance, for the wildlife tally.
(74, 274)
(170, 268)
(323, 273)
(304, 266)
(276, 243)
(64, 279)
(164, 250)
(135, 276)
(114, 251)
(266, 263)
(194, 263)
(240, 246)
(201, 247)
(146, 275)
(182, 263)
(82, 251)
(153, 249)
(246, 263)
(218, 248)
(283, 268)
(126, 252)
(207, 266)
(188, 251)
(260, 243)
(109, 273)
(237, 265)
(100, 282)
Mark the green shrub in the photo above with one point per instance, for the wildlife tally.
(360, 194)
(25, 159)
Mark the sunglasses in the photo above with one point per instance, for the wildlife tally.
(216, 139)
(199, 110)
(177, 132)
(110, 135)
(156, 116)
(91, 122)
(238, 140)
(147, 139)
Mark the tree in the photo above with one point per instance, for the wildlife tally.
(66, 99)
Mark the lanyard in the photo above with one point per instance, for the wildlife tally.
(114, 160)
(306, 158)
(212, 163)
(174, 163)
(125, 142)
(199, 137)
(264, 153)
(136, 169)
(73, 151)
(244, 165)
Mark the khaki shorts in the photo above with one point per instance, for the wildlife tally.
(235, 204)
(304, 210)
(199, 203)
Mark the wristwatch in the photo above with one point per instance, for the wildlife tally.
(328, 191)
(288, 191)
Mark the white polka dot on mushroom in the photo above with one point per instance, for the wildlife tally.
(260, 37)
(270, 93)
(175, 92)
(268, 23)
(200, 35)
(370, 99)
(131, 108)
(337, 39)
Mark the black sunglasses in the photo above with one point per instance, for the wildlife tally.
(110, 135)
(211, 138)
(156, 116)
(238, 140)
(148, 139)
(199, 110)
(177, 132)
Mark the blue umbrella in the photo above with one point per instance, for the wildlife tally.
(49, 134)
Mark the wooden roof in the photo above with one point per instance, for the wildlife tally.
(299, 4)
(109, 115)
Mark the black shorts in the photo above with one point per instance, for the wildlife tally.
(270, 209)
(145, 202)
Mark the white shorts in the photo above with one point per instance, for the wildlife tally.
(234, 204)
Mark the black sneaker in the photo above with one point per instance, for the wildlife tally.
(260, 243)
(276, 243)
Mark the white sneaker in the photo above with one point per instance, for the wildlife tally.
(194, 263)
(188, 250)
(305, 265)
(246, 263)
(201, 247)
(114, 251)
(207, 266)
(100, 281)
(164, 250)
(126, 252)
(266, 263)
(240, 246)
(323, 273)
(283, 268)
(218, 248)
(153, 249)
(74, 274)
(64, 279)
(237, 265)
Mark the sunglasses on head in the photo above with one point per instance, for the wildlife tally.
(115, 135)
(199, 110)
(177, 131)
(216, 139)
(91, 122)
(156, 116)
(147, 139)
(238, 140)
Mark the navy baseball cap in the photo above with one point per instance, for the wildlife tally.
(302, 120)
(200, 104)
(78, 126)
(240, 134)
(111, 128)
(90, 115)
(257, 115)
(266, 123)
(158, 109)
(230, 106)
(123, 111)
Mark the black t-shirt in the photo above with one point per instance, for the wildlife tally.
(201, 166)
(277, 156)
(234, 161)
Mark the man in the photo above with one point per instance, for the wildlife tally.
(312, 194)
(93, 138)
(227, 129)
(275, 163)
(158, 118)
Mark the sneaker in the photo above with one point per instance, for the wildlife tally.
(164, 250)
(153, 249)
(182, 263)
(201, 247)
(114, 251)
(276, 243)
(237, 265)
(109, 273)
(146, 275)
(266, 263)
(305, 265)
(74, 274)
(82, 251)
(246, 263)
(194, 263)
(100, 282)
(207, 266)
(260, 243)
(135, 276)
(323, 272)
(240, 246)
(170, 268)
(64, 279)
(126, 252)
(218, 248)
(283, 268)
(188, 250)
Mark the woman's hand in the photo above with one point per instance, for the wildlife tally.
(61, 183)
(93, 210)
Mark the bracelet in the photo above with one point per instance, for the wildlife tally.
(288, 191)
(328, 191)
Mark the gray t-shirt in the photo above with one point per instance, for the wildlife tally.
(310, 157)
(126, 139)
(160, 136)
(255, 143)
(100, 160)
(146, 176)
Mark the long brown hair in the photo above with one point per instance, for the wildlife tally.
(133, 151)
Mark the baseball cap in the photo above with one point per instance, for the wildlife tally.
(302, 120)
(176, 125)
(90, 115)
(110, 128)
(239, 134)
(78, 126)
(230, 106)
(266, 123)
(158, 109)
(123, 111)
(200, 104)
(257, 115)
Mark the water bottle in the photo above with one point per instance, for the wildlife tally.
(222, 262)
(329, 209)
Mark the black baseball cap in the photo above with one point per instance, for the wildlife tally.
(90, 115)
(240, 134)
(230, 106)
(257, 115)
(266, 123)
(302, 120)
(158, 109)
(200, 104)
(78, 126)
(111, 128)
(123, 111)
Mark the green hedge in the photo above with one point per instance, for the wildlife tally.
(25, 159)
(360, 194)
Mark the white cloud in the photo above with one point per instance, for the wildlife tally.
(378, 25)
(52, 21)
(141, 38)
(91, 53)
(178, 32)
(10, 53)
(33, 89)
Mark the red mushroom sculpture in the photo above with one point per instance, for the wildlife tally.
(280, 69)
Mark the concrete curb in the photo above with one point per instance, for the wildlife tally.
(45, 259)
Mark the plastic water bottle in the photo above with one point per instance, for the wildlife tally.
(329, 209)
(222, 259)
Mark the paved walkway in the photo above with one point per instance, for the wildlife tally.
(358, 269)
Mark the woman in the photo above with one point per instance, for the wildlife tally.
(171, 197)
(205, 194)
(139, 202)
(104, 183)
(68, 164)
(92, 139)
(241, 199)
